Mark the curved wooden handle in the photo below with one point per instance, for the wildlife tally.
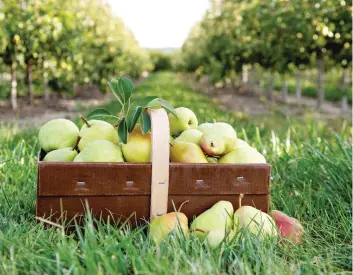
(160, 162)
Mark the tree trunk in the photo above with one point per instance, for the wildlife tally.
(344, 103)
(321, 88)
(284, 88)
(270, 86)
(46, 90)
(29, 79)
(13, 86)
(245, 74)
(298, 88)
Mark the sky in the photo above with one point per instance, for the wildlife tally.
(160, 23)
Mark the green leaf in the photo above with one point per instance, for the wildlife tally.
(145, 122)
(144, 102)
(154, 104)
(100, 113)
(168, 107)
(122, 131)
(114, 86)
(133, 115)
(126, 85)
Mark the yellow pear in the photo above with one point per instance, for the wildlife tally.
(243, 154)
(97, 130)
(138, 146)
(167, 223)
(254, 220)
(186, 152)
(61, 155)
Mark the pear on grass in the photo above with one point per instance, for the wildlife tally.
(289, 228)
(100, 151)
(163, 225)
(186, 152)
(254, 220)
(186, 119)
(97, 130)
(61, 155)
(138, 146)
(219, 216)
(57, 134)
(218, 139)
(243, 154)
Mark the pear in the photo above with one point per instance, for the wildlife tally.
(215, 237)
(58, 134)
(254, 220)
(97, 130)
(289, 228)
(203, 127)
(138, 146)
(219, 216)
(61, 155)
(186, 152)
(190, 135)
(218, 139)
(186, 119)
(100, 151)
(167, 223)
(240, 143)
(245, 154)
(212, 160)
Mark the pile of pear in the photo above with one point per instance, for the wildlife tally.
(215, 142)
(220, 224)
(98, 141)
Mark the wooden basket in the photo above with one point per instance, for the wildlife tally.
(146, 190)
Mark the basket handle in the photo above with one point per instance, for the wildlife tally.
(160, 162)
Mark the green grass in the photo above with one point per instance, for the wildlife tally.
(311, 180)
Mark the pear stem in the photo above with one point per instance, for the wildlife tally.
(117, 124)
(85, 121)
(171, 144)
(182, 204)
(214, 120)
(241, 196)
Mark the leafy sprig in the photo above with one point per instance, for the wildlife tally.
(131, 113)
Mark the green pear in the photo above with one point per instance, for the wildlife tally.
(212, 160)
(254, 220)
(171, 139)
(138, 146)
(171, 222)
(100, 151)
(61, 155)
(186, 152)
(57, 134)
(98, 130)
(245, 154)
(240, 143)
(215, 237)
(218, 139)
(219, 216)
(204, 127)
(186, 119)
(190, 135)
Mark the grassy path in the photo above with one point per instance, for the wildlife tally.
(311, 180)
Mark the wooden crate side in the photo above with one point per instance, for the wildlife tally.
(91, 179)
(136, 207)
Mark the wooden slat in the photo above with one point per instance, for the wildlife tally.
(121, 207)
(90, 179)
(160, 162)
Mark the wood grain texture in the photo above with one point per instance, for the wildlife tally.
(91, 179)
(160, 162)
(135, 208)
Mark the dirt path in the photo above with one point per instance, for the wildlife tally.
(250, 102)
